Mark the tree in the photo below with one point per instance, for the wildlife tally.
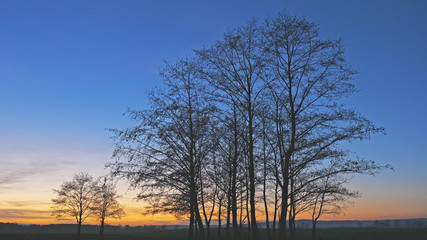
(106, 204)
(76, 199)
(325, 190)
(233, 66)
(165, 153)
(328, 196)
(265, 103)
(308, 79)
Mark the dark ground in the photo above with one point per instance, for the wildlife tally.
(151, 234)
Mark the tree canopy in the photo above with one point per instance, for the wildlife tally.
(264, 106)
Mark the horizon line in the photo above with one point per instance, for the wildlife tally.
(213, 225)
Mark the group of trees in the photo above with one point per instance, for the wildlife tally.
(249, 128)
(85, 197)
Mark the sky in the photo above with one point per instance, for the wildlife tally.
(70, 69)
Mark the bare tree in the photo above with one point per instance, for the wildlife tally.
(229, 159)
(233, 66)
(308, 79)
(207, 198)
(330, 197)
(266, 103)
(221, 202)
(106, 204)
(76, 199)
(163, 155)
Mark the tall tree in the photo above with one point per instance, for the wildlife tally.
(265, 102)
(165, 152)
(233, 66)
(309, 78)
(76, 199)
(229, 134)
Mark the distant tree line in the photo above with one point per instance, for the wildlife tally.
(249, 128)
(404, 223)
(85, 197)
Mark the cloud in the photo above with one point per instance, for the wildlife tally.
(2, 188)
(64, 219)
(18, 171)
(23, 163)
(24, 214)
(13, 173)
(14, 176)
(22, 203)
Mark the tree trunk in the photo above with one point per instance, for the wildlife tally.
(292, 227)
(252, 172)
(202, 197)
(284, 165)
(266, 217)
(313, 231)
(227, 226)
(219, 218)
(79, 222)
(248, 215)
(191, 226)
(264, 194)
(197, 230)
(193, 200)
(79, 226)
(241, 208)
(275, 209)
(283, 211)
(199, 221)
(234, 180)
(208, 231)
(101, 229)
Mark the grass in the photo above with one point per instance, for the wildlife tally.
(323, 234)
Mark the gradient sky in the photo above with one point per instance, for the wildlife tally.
(69, 69)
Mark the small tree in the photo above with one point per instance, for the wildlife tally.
(329, 197)
(106, 204)
(75, 199)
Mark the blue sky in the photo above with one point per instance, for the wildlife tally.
(69, 69)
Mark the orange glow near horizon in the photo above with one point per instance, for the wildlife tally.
(29, 202)
(73, 71)
(43, 216)
(362, 210)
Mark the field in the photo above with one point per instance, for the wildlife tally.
(151, 234)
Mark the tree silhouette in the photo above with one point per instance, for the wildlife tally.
(258, 115)
(233, 66)
(309, 78)
(106, 204)
(76, 199)
(169, 147)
